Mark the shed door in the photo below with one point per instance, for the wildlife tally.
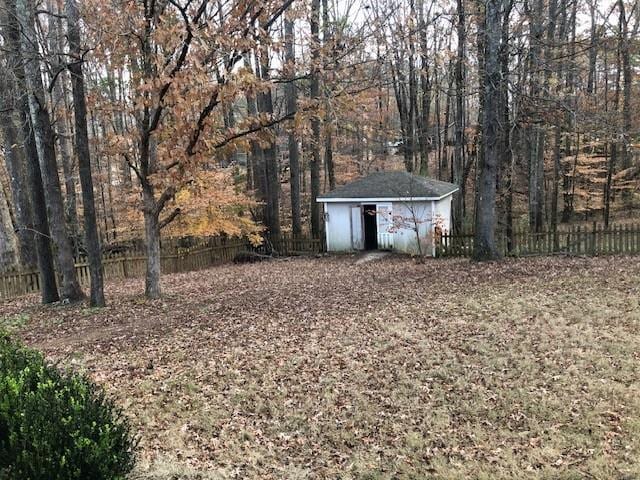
(356, 228)
(384, 214)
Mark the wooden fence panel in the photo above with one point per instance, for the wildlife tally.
(175, 258)
(572, 240)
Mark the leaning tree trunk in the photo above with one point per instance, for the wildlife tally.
(84, 159)
(45, 142)
(485, 245)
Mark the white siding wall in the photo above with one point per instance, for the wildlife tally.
(405, 236)
(343, 225)
(443, 212)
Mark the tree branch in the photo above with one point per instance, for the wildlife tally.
(167, 195)
(257, 128)
(168, 219)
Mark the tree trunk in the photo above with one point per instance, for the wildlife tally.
(256, 161)
(425, 87)
(14, 158)
(272, 170)
(484, 245)
(8, 244)
(12, 35)
(92, 239)
(479, 140)
(625, 59)
(58, 111)
(506, 166)
(152, 245)
(612, 160)
(328, 123)
(458, 163)
(292, 106)
(593, 51)
(315, 121)
(45, 142)
(556, 180)
(114, 81)
(535, 133)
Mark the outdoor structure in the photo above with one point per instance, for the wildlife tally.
(387, 211)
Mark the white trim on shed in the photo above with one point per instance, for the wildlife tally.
(385, 199)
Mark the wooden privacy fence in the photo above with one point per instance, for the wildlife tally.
(132, 264)
(574, 240)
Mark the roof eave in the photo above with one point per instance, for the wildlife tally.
(385, 199)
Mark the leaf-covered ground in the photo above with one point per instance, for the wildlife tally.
(321, 368)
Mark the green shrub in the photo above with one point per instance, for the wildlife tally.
(57, 426)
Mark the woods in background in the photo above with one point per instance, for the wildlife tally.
(132, 119)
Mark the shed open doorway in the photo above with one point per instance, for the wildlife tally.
(370, 227)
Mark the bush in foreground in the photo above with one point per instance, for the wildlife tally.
(57, 426)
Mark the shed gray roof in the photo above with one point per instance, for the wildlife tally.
(387, 185)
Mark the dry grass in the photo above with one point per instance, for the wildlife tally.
(385, 370)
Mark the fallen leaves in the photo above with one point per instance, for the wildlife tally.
(326, 369)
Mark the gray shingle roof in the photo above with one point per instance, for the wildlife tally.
(395, 184)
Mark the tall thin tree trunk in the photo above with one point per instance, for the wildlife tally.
(425, 91)
(45, 142)
(536, 138)
(459, 161)
(272, 170)
(14, 157)
(59, 109)
(328, 74)
(556, 179)
(84, 159)
(315, 121)
(612, 160)
(12, 35)
(255, 162)
(479, 140)
(625, 59)
(485, 245)
(593, 51)
(292, 106)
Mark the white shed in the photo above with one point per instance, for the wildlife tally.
(387, 211)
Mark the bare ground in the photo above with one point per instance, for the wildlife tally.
(321, 368)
